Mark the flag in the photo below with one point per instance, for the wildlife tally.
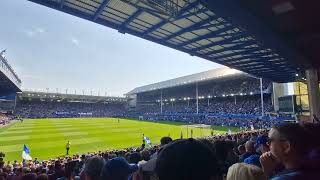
(147, 140)
(26, 153)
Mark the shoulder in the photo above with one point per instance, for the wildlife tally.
(288, 175)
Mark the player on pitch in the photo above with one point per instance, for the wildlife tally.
(68, 147)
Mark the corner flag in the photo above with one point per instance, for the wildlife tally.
(26, 153)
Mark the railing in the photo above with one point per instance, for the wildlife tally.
(9, 72)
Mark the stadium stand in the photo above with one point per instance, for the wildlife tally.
(241, 34)
(46, 105)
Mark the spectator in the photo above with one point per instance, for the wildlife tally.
(241, 149)
(262, 144)
(118, 169)
(29, 176)
(186, 160)
(42, 177)
(242, 171)
(249, 146)
(165, 140)
(288, 146)
(134, 158)
(92, 168)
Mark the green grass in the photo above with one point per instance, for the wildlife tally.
(46, 138)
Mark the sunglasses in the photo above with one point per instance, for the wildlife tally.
(275, 139)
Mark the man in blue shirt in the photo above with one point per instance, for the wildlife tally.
(289, 146)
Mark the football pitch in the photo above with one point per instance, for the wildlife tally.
(46, 138)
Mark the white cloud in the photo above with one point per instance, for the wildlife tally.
(75, 41)
(34, 31)
(40, 30)
(29, 33)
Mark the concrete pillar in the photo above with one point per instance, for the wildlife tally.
(197, 98)
(161, 102)
(313, 92)
(279, 90)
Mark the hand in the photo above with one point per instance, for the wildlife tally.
(268, 163)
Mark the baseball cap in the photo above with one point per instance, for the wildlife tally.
(263, 139)
(119, 167)
(253, 160)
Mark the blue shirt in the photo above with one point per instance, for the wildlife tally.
(290, 175)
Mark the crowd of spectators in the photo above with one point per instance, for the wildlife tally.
(47, 109)
(227, 105)
(5, 119)
(244, 123)
(287, 151)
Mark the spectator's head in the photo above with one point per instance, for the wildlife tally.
(262, 144)
(3, 175)
(165, 140)
(29, 176)
(70, 168)
(145, 155)
(186, 160)
(42, 177)
(134, 158)
(249, 146)
(241, 149)
(242, 171)
(92, 168)
(288, 143)
(117, 169)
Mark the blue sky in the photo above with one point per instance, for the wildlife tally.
(51, 49)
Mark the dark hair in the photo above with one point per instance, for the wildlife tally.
(187, 159)
(314, 131)
(42, 177)
(165, 140)
(134, 157)
(222, 148)
(30, 176)
(93, 167)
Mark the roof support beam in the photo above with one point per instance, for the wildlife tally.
(237, 46)
(246, 56)
(207, 36)
(235, 13)
(129, 20)
(203, 10)
(191, 28)
(244, 52)
(179, 16)
(188, 7)
(100, 9)
(229, 40)
(62, 3)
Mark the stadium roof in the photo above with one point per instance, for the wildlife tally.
(221, 31)
(43, 96)
(9, 80)
(205, 76)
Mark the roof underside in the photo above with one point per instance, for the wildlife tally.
(9, 81)
(197, 27)
(206, 76)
